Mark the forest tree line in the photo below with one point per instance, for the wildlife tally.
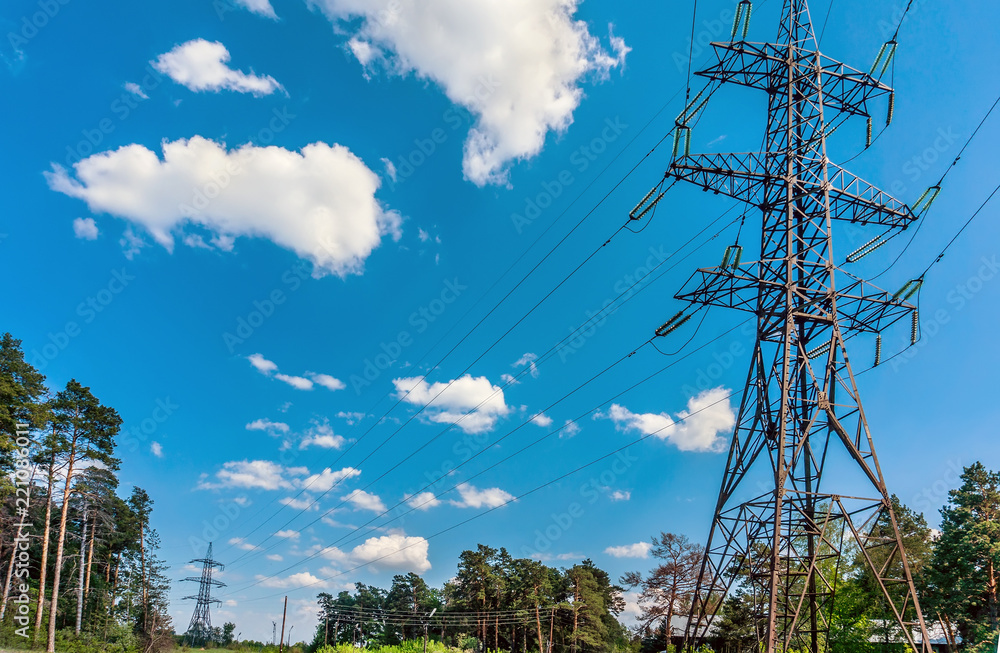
(92, 568)
(495, 602)
(500, 603)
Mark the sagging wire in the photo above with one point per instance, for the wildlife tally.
(923, 204)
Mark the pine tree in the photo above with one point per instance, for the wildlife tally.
(965, 567)
(86, 429)
(669, 588)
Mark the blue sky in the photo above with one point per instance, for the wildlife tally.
(346, 181)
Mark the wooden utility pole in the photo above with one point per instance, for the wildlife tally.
(284, 612)
(552, 619)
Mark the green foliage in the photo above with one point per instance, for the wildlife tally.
(406, 646)
(964, 571)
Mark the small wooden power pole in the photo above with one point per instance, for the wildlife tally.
(284, 612)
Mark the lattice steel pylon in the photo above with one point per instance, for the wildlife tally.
(200, 629)
(801, 431)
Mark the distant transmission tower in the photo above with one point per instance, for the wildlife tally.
(802, 485)
(200, 629)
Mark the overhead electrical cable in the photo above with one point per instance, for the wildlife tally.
(497, 507)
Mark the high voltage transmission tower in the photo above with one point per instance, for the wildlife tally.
(802, 486)
(200, 629)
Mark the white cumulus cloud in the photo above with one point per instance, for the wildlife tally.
(423, 501)
(157, 449)
(301, 579)
(327, 381)
(516, 65)
(569, 429)
(267, 426)
(200, 65)
(702, 427)
(303, 502)
(259, 7)
(327, 479)
(472, 403)
(473, 497)
(637, 550)
(321, 435)
(261, 364)
(85, 228)
(297, 382)
(319, 203)
(364, 501)
(541, 419)
(528, 360)
(260, 474)
(288, 534)
(393, 552)
(241, 543)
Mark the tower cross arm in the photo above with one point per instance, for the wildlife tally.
(764, 66)
(861, 307)
(744, 176)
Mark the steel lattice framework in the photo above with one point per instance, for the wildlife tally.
(200, 629)
(800, 425)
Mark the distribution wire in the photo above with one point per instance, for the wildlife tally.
(937, 260)
(938, 185)
(356, 531)
(596, 317)
(428, 403)
(505, 503)
(402, 398)
(611, 308)
(560, 216)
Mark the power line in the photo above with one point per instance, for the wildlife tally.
(497, 305)
(826, 20)
(962, 229)
(602, 314)
(512, 500)
(936, 188)
(348, 536)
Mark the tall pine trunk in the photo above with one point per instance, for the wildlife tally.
(6, 585)
(992, 588)
(576, 612)
(114, 590)
(60, 542)
(40, 606)
(142, 554)
(538, 624)
(79, 594)
(90, 560)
